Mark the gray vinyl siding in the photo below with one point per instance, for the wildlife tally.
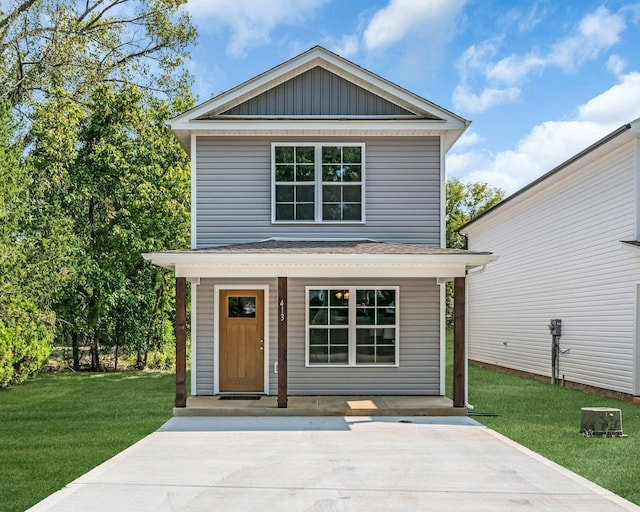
(317, 92)
(204, 337)
(417, 374)
(560, 256)
(402, 191)
(419, 369)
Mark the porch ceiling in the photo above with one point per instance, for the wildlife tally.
(320, 258)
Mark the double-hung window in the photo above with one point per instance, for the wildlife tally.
(318, 183)
(352, 326)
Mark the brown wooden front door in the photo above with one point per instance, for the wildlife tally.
(241, 345)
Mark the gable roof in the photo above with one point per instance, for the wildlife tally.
(333, 96)
(317, 92)
(633, 127)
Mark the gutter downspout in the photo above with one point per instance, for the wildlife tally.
(466, 337)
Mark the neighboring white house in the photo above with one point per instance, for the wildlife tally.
(318, 263)
(569, 250)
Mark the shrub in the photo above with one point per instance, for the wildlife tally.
(26, 340)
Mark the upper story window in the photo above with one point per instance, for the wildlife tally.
(318, 182)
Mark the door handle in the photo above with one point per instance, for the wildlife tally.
(261, 344)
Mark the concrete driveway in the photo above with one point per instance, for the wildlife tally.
(329, 464)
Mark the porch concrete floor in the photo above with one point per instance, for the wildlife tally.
(322, 406)
(335, 464)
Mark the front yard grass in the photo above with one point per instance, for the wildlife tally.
(546, 419)
(55, 428)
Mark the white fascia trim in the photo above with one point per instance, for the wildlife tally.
(319, 126)
(317, 265)
(354, 270)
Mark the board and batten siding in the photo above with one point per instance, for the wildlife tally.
(317, 92)
(417, 374)
(233, 196)
(560, 256)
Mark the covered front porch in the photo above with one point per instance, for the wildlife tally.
(286, 266)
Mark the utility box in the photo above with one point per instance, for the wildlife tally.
(601, 421)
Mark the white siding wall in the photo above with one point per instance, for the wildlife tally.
(560, 256)
(402, 191)
(419, 370)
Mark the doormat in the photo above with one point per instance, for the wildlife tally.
(240, 397)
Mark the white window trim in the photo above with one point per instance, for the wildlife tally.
(318, 183)
(352, 326)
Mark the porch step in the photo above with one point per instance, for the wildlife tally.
(322, 406)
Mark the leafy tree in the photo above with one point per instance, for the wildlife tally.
(26, 325)
(119, 181)
(77, 44)
(464, 203)
(89, 175)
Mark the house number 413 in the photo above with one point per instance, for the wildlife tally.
(282, 316)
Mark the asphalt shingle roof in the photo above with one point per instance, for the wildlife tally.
(276, 246)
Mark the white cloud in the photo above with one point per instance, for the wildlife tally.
(551, 143)
(468, 101)
(476, 57)
(597, 31)
(512, 70)
(616, 64)
(402, 17)
(614, 106)
(468, 138)
(458, 164)
(251, 21)
(346, 46)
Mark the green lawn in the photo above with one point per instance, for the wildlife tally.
(546, 419)
(57, 427)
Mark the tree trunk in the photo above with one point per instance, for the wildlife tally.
(141, 359)
(115, 364)
(75, 351)
(95, 352)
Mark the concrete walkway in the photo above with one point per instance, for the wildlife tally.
(329, 464)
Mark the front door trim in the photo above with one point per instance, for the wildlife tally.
(216, 330)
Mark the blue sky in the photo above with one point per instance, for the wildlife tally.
(541, 80)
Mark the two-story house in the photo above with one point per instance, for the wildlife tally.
(569, 251)
(318, 263)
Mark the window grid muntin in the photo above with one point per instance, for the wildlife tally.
(346, 212)
(353, 326)
(294, 164)
(380, 329)
(341, 169)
